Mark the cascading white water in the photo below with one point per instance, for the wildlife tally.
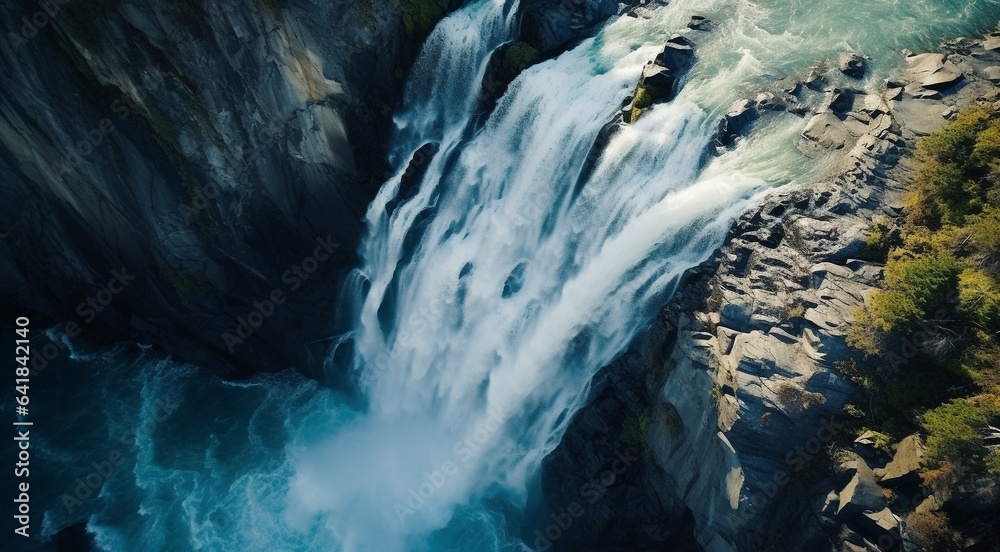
(476, 340)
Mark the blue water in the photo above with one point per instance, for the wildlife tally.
(478, 328)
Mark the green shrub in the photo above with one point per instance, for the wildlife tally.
(917, 387)
(861, 376)
(979, 299)
(953, 431)
(519, 57)
(895, 310)
(635, 432)
(881, 237)
(981, 239)
(670, 420)
(953, 193)
(928, 280)
(882, 442)
(420, 16)
(795, 399)
(864, 334)
(954, 175)
(644, 97)
(794, 311)
(955, 143)
(366, 9)
(916, 288)
(941, 300)
(981, 365)
(987, 149)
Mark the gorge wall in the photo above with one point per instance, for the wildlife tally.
(194, 174)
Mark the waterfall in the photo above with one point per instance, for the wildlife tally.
(495, 292)
(494, 284)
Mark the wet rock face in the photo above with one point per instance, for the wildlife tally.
(852, 65)
(740, 115)
(207, 148)
(660, 76)
(604, 463)
(554, 25)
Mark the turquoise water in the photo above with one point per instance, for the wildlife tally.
(480, 326)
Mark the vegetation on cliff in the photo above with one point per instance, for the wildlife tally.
(934, 327)
(519, 57)
(643, 99)
(930, 336)
(420, 16)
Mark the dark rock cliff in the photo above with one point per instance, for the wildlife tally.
(194, 173)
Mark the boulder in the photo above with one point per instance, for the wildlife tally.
(852, 65)
(933, 71)
(766, 101)
(905, 464)
(660, 76)
(991, 42)
(876, 525)
(677, 54)
(815, 80)
(700, 23)
(874, 105)
(658, 81)
(837, 101)
(884, 519)
(735, 314)
(992, 73)
(827, 131)
(861, 494)
(864, 445)
(740, 115)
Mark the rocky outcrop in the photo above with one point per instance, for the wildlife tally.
(548, 28)
(552, 26)
(736, 122)
(604, 468)
(905, 463)
(660, 81)
(220, 155)
(851, 64)
(741, 379)
(661, 77)
(930, 73)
